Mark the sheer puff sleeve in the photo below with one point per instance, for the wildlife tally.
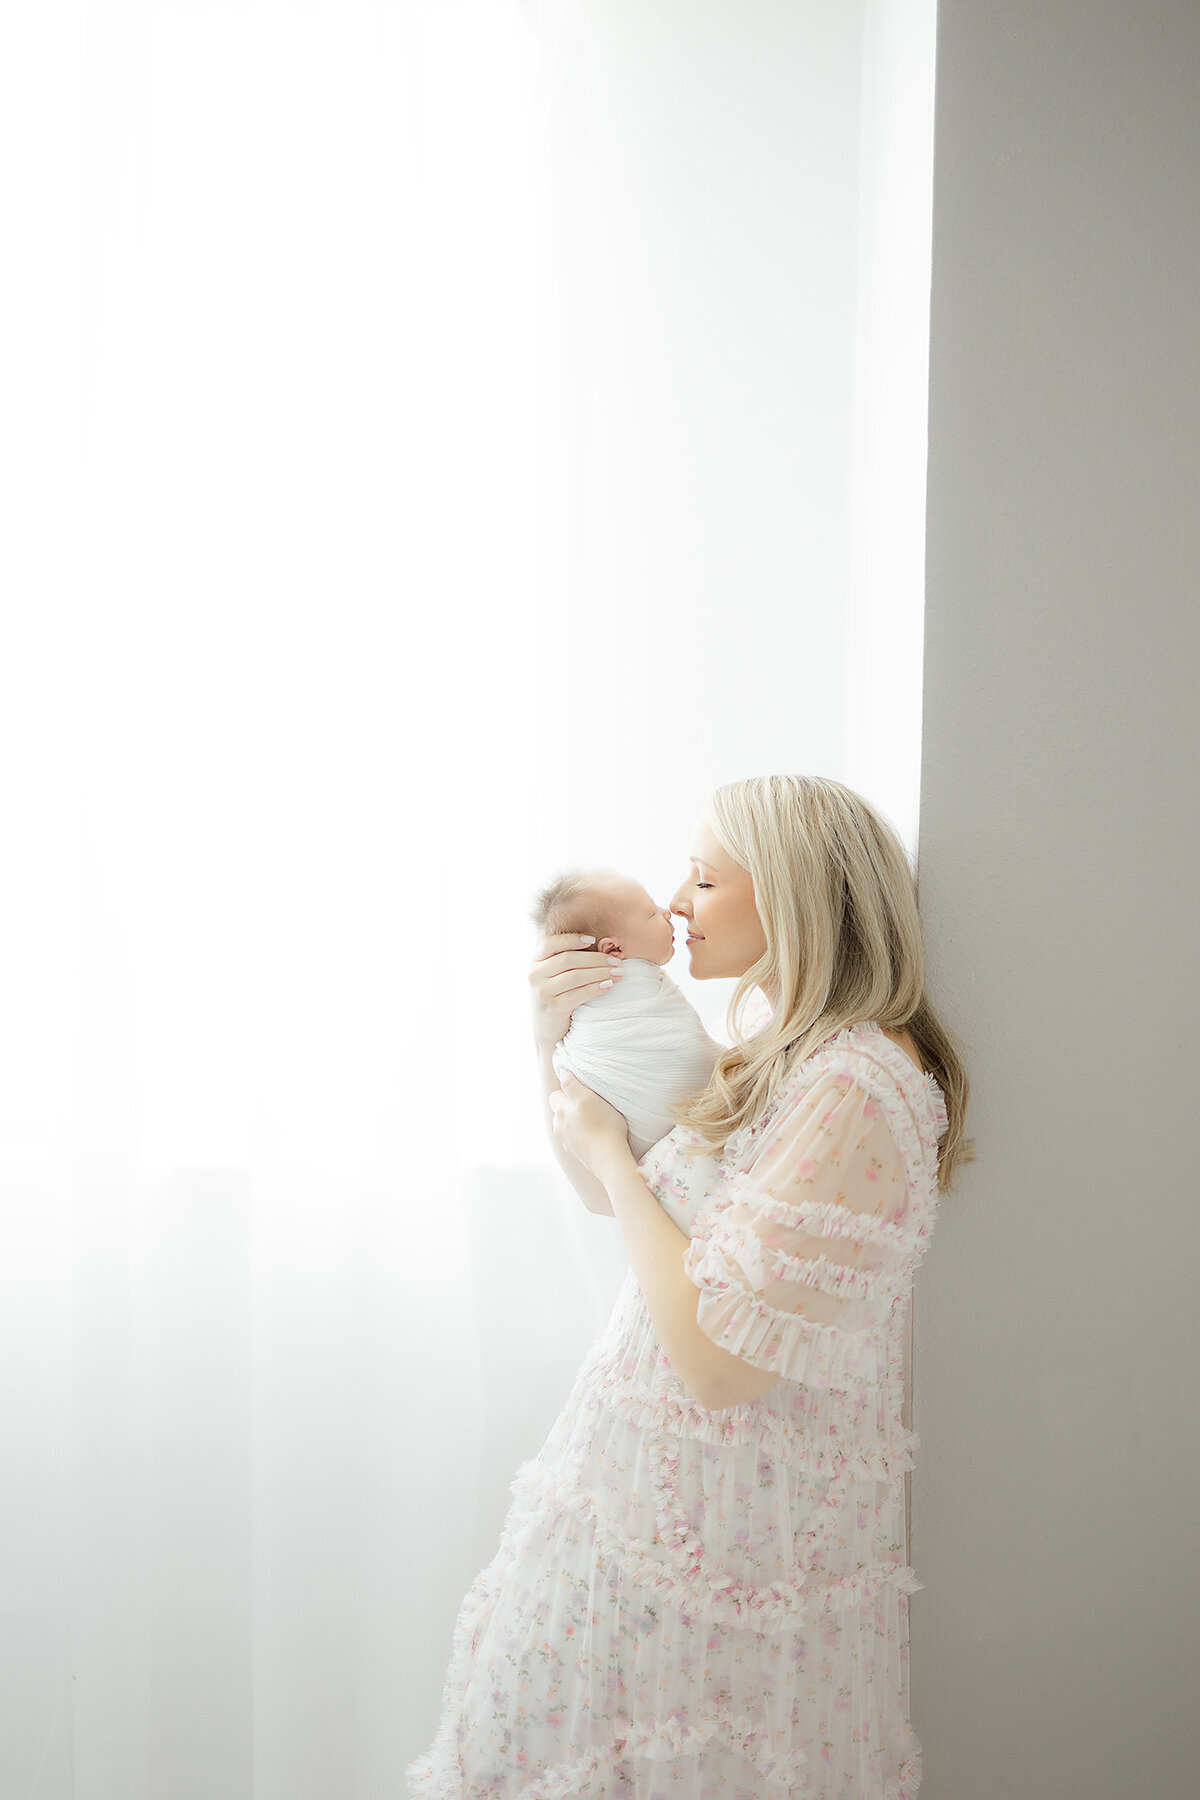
(808, 1247)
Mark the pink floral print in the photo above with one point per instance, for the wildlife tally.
(688, 1604)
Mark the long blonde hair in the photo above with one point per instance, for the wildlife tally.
(837, 899)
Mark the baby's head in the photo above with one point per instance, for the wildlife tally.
(611, 907)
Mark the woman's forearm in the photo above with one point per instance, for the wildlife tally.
(656, 1248)
(590, 1190)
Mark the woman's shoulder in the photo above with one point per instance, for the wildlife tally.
(865, 1043)
(911, 1099)
(871, 1057)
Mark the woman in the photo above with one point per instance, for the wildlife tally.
(701, 1587)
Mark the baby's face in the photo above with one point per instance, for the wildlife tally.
(638, 925)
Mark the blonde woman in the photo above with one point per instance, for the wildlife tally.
(702, 1586)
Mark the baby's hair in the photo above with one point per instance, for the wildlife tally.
(574, 901)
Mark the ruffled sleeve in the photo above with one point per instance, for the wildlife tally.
(809, 1245)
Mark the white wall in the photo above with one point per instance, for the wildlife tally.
(1055, 1519)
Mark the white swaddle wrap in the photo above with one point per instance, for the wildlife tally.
(642, 1046)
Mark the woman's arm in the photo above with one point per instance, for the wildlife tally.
(564, 974)
(656, 1247)
(586, 1127)
(590, 1190)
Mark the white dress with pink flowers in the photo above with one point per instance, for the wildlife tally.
(686, 1603)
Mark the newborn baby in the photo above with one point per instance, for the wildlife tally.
(640, 1044)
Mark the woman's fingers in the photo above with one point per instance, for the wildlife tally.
(571, 980)
(564, 974)
(560, 945)
(561, 971)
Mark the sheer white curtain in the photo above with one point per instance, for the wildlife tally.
(441, 441)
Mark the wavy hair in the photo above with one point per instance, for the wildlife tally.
(838, 903)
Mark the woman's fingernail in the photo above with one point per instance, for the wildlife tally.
(584, 940)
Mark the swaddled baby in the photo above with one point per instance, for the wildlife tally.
(641, 1045)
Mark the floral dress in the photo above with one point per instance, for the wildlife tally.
(688, 1603)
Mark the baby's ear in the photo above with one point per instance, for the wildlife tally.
(608, 946)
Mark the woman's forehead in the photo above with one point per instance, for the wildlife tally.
(704, 847)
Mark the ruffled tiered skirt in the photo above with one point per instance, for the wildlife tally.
(688, 1604)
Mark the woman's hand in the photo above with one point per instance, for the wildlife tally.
(563, 975)
(587, 1126)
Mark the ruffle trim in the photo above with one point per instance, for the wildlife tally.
(937, 1105)
(906, 1782)
(785, 1343)
(842, 1280)
(819, 1218)
(763, 1263)
(438, 1775)
(785, 1441)
(779, 1606)
(654, 1739)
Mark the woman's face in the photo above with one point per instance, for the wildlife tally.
(717, 900)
